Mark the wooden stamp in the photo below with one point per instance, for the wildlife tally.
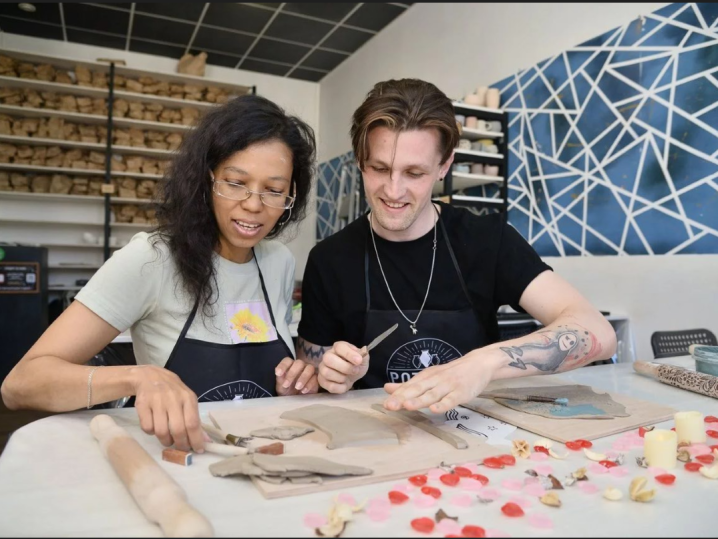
(176, 456)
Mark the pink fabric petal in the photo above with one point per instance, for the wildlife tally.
(435, 473)
(587, 487)
(612, 455)
(447, 526)
(698, 449)
(423, 500)
(637, 442)
(471, 466)
(534, 490)
(406, 488)
(523, 503)
(461, 500)
(347, 498)
(619, 471)
(489, 493)
(380, 502)
(597, 468)
(531, 480)
(512, 484)
(496, 533)
(621, 446)
(472, 485)
(656, 471)
(543, 469)
(377, 514)
(314, 520)
(538, 457)
(537, 520)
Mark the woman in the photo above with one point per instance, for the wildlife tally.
(207, 298)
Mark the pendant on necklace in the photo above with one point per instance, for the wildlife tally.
(413, 328)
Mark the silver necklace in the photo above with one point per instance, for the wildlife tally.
(412, 323)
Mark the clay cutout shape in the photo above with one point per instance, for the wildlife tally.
(278, 480)
(420, 421)
(281, 433)
(284, 465)
(583, 403)
(345, 428)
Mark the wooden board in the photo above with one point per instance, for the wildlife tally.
(563, 430)
(416, 453)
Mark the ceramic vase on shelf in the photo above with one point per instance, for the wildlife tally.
(481, 92)
(473, 99)
(493, 98)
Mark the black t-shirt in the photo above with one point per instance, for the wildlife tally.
(497, 265)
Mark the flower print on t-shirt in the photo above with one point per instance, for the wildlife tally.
(249, 322)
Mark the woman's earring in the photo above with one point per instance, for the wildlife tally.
(287, 219)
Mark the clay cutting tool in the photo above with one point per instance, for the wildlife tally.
(368, 348)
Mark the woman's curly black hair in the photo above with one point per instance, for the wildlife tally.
(187, 224)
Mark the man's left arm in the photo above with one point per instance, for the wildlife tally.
(575, 334)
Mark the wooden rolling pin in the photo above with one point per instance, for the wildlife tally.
(159, 497)
(705, 384)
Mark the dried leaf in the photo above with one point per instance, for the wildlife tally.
(613, 494)
(638, 493)
(532, 473)
(334, 530)
(555, 483)
(543, 442)
(620, 459)
(642, 462)
(592, 455)
(521, 449)
(556, 455)
(684, 456)
(580, 474)
(683, 444)
(440, 515)
(551, 499)
(569, 481)
(711, 472)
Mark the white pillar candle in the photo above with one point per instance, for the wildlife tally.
(690, 427)
(660, 448)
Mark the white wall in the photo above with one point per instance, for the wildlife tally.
(459, 47)
(297, 97)
(658, 293)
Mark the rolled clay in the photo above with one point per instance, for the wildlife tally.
(159, 497)
(281, 433)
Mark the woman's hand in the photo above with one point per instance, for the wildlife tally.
(295, 377)
(167, 408)
(342, 365)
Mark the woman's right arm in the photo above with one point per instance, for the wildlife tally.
(52, 376)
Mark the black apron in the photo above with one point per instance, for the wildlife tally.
(217, 372)
(442, 336)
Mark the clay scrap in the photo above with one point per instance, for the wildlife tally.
(420, 421)
(345, 428)
(281, 433)
(278, 469)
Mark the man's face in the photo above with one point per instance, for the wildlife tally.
(399, 175)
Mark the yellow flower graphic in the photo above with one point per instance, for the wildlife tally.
(250, 327)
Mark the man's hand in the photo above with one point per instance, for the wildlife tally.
(295, 377)
(167, 408)
(443, 387)
(342, 365)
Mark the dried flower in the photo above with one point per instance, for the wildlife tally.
(684, 455)
(556, 455)
(551, 499)
(613, 494)
(521, 449)
(543, 442)
(637, 490)
(711, 472)
(592, 455)
(641, 461)
(580, 474)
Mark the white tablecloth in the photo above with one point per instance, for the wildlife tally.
(55, 482)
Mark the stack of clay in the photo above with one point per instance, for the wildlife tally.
(51, 156)
(60, 184)
(132, 213)
(154, 112)
(146, 139)
(9, 67)
(52, 128)
(25, 97)
(143, 165)
(131, 188)
(190, 92)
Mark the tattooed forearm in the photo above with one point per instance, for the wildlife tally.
(555, 349)
(311, 353)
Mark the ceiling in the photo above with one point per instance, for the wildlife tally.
(296, 40)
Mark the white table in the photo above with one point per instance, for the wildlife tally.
(55, 482)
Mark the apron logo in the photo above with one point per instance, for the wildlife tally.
(411, 358)
(237, 390)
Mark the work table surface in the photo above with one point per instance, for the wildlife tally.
(54, 481)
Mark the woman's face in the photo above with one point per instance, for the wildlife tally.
(263, 168)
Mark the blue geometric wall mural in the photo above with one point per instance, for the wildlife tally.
(333, 175)
(613, 144)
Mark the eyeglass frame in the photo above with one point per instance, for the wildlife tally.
(292, 198)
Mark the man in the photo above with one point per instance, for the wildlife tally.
(438, 271)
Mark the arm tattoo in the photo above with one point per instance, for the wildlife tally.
(566, 346)
(311, 353)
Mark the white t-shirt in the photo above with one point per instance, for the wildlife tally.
(139, 288)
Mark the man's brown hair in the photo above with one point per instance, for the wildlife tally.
(404, 105)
